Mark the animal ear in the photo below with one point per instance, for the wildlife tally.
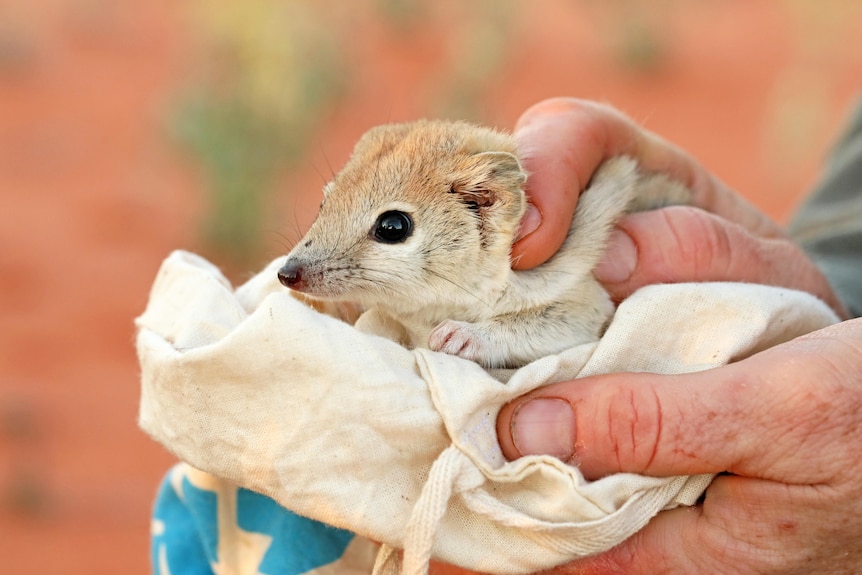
(490, 179)
(380, 140)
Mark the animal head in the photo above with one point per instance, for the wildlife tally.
(424, 211)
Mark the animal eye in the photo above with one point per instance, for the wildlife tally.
(392, 227)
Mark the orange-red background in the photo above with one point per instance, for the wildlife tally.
(93, 194)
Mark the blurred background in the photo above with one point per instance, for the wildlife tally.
(128, 129)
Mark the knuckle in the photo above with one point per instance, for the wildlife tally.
(705, 247)
(591, 118)
(634, 420)
(551, 107)
(562, 104)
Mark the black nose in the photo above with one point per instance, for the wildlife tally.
(290, 275)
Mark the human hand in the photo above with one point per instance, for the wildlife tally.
(784, 424)
(722, 238)
(781, 423)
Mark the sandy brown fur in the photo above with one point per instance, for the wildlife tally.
(450, 283)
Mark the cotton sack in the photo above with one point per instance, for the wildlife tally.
(397, 445)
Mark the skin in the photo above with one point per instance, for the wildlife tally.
(563, 141)
(782, 427)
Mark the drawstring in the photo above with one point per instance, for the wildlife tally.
(452, 472)
(387, 562)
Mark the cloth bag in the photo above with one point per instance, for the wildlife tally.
(398, 445)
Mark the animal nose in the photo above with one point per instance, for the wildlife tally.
(290, 275)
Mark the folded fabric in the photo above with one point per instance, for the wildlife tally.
(398, 445)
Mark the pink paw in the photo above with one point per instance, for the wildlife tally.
(457, 338)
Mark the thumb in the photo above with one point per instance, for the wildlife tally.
(758, 417)
(628, 422)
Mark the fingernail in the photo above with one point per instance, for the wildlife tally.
(621, 258)
(544, 427)
(531, 220)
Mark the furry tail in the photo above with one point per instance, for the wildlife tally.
(617, 188)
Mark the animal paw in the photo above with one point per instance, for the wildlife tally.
(458, 338)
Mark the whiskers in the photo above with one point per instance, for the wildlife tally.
(287, 237)
(387, 287)
(283, 242)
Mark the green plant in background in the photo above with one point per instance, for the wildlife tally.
(821, 33)
(475, 40)
(641, 47)
(24, 491)
(634, 31)
(269, 70)
(476, 58)
(402, 15)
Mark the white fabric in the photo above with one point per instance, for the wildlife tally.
(400, 445)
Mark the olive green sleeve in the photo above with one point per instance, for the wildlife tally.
(829, 223)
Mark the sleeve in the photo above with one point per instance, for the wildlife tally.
(829, 223)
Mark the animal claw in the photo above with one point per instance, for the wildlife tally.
(456, 338)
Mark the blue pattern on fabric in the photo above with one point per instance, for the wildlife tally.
(204, 507)
(183, 548)
(186, 534)
(300, 544)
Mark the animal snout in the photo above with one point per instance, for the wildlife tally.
(290, 275)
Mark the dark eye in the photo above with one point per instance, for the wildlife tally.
(392, 227)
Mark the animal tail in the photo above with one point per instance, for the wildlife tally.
(617, 188)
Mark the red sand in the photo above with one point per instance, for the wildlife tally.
(94, 196)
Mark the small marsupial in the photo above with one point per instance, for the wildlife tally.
(419, 225)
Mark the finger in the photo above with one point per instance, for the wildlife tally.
(739, 528)
(742, 526)
(759, 417)
(647, 551)
(683, 244)
(562, 141)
